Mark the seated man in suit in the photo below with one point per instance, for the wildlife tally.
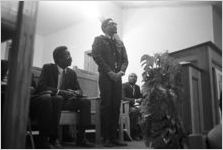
(46, 110)
(131, 93)
(61, 82)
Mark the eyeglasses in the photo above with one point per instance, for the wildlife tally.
(112, 23)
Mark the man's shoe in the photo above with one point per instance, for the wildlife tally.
(56, 144)
(84, 143)
(108, 143)
(119, 143)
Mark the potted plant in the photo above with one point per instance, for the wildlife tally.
(161, 91)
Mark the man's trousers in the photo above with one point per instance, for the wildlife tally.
(111, 93)
(83, 106)
(46, 109)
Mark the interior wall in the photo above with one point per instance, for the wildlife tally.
(144, 31)
(79, 36)
(156, 29)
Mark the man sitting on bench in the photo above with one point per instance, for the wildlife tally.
(61, 82)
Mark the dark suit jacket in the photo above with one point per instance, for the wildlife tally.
(49, 78)
(103, 54)
(127, 92)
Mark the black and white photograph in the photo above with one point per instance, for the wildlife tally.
(111, 74)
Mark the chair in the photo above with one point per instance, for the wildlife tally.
(70, 118)
(124, 121)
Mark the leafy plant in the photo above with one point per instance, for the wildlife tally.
(161, 91)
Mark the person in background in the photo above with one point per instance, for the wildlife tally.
(61, 83)
(109, 53)
(131, 93)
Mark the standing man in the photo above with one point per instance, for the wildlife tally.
(61, 81)
(110, 55)
(131, 93)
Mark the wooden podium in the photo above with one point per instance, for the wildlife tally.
(199, 109)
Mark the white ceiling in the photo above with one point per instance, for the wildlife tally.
(152, 3)
(56, 15)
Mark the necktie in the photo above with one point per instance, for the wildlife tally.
(133, 90)
(62, 85)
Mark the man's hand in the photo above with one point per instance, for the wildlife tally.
(77, 92)
(115, 76)
(66, 93)
(120, 74)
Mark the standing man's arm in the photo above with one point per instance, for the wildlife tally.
(97, 49)
(124, 60)
(97, 55)
(124, 64)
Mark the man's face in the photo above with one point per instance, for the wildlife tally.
(132, 78)
(111, 28)
(65, 60)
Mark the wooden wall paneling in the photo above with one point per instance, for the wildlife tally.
(16, 106)
(185, 104)
(213, 106)
(200, 55)
(216, 64)
(197, 100)
(201, 100)
(217, 116)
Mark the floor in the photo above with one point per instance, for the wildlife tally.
(131, 145)
(71, 145)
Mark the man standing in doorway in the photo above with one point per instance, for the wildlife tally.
(110, 55)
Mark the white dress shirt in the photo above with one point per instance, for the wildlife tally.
(60, 76)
